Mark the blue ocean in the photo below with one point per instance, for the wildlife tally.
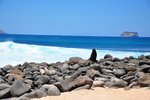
(16, 49)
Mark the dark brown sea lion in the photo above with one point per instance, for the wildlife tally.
(93, 55)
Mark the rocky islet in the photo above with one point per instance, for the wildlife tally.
(36, 80)
(129, 34)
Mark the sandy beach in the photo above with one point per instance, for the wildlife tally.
(103, 94)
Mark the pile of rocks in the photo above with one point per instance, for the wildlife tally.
(36, 80)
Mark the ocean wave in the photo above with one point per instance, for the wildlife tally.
(15, 53)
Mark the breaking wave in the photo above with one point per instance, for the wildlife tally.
(15, 53)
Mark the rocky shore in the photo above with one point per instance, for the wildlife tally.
(36, 80)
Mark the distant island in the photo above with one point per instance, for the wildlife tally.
(2, 32)
(129, 34)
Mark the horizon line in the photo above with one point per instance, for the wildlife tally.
(68, 35)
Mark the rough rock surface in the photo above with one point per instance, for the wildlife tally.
(5, 93)
(19, 87)
(72, 83)
(53, 90)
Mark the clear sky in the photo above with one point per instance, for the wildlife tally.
(75, 17)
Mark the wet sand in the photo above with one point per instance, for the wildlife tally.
(103, 94)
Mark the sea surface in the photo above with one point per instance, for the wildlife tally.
(17, 49)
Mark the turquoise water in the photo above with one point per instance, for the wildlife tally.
(15, 49)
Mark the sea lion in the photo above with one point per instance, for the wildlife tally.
(93, 55)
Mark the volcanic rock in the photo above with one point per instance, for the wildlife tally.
(34, 94)
(4, 86)
(108, 56)
(43, 79)
(7, 67)
(92, 73)
(119, 72)
(87, 86)
(5, 93)
(117, 82)
(19, 87)
(70, 84)
(74, 60)
(144, 80)
(98, 83)
(53, 90)
(84, 62)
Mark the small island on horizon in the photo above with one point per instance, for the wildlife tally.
(129, 34)
(2, 32)
(124, 34)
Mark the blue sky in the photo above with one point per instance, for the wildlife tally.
(75, 17)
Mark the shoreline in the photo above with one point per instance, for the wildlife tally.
(37, 80)
(99, 93)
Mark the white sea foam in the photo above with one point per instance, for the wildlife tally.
(15, 53)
